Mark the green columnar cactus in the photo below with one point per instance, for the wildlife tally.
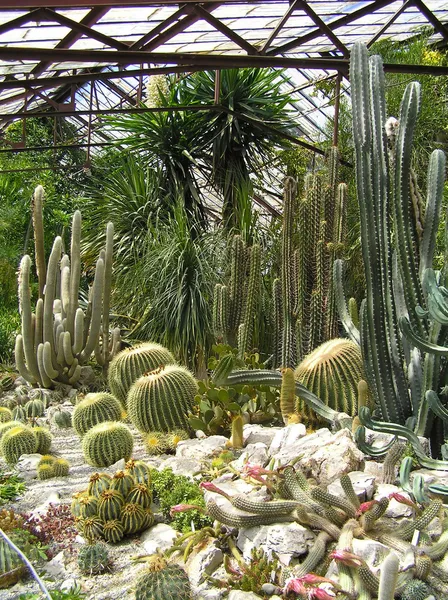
(44, 439)
(288, 341)
(324, 497)
(106, 443)
(163, 582)
(131, 363)
(60, 337)
(61, 467)
(251, 300)
(93, 558)
(389, 474)
(62, 419)
(388, 577)
(287, 394)
(332, 372)
(95, 408)
(236, 438)
(17, 441)
(314, 556)
(160, 400)
(5, 414)
(273, 508)
(416, 590)
(249, 520)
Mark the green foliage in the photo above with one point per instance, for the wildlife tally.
(9, 328)
(216, 406)
(74, 593)
(11, 486)
(250, 576)
(169, 490)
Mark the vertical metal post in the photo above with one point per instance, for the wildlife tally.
(89, 125)
(217, 85)
(140, 87)
(337, 94)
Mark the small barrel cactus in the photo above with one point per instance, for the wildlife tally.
(92, 528)
(47, 459)
(174, 437)
(44, 439)
(110, 504)
(161, 399)
(19, 414)
(61, 467)
(139, 470)
(17, 441)
(122, 482)
(88, 506)
(113, 531)
(6, 383)
(94, 409)
(93, 558)
(107, 443)
(62, 419)
(5, 414)
(140, 494)
(156, 443)
(132, 518)
(34, 408)
(130, 364)
(45, 471)
(98, 482)
(163, 581)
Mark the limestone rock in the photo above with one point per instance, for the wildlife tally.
(204, 562)
(159, 537)
(363, 484)
(201, 449)
(53, 497)
(56, 567)
(27, 466)
(181, 466)
(395, 509)
(240, 595)
(253, 454)
(253, 433)
(287, 437)
(287, 540)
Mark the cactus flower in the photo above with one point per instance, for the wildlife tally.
(178, 508)
(347, 558)
(295, 585)
(365, 506)
(319, 594)
(211, 487)
(402, 499)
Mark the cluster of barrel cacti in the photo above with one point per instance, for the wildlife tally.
(16, 439)
(60, 336)
(235, 304)
(113, 507)
(50, 466)
(337, 520)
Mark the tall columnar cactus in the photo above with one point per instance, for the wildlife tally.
(95, 408)
(106, 443)
(235, 304)
(131, 363)
(332, 372)
(161, 399)
(393, 282)
(59, 336)
(303, 299)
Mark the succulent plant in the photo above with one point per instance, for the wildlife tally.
(110, 504)
(161, 399)
(45, 471)
(131, 363)
(113, 531)
(140, 494)
(6, 383)
(155, 442)
(12, 568)
(163, 581)
(4, 427)
(92, 528)
(44, 439)
(62, 419)
(132, 517)
(93, 409)
(93, 558)
(122, 482)
(61, 467)
(172, 438)
(98, 482)
(47, 459)
(139, 470)
(106, 443)
(5, 414)
(332, 372)
(17, 441)
(19, 414)
(88, 505)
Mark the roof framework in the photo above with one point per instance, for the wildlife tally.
(80, 59)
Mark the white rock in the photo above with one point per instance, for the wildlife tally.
(69, 585)
(253, 433)
(120, 465)
(253, 454)
(232, 488)
(200, 435)
(52, 498)
(395, 509)
(286, 437)
(371, 551)
(56, 567)
(159, 537)
(205, 592)
(432, 476)
(363, 484)
(200, 449)
(374, 468)
(287, 540)
(181, 466)
(203, 563)
(379, 440)
(240, 595)
(27, 466)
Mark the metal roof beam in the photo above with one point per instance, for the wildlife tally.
(160, 27)
(389, 22)
(345, 20)
(222, 28)
(324, 28)
(432, 19)
(280, 25)
(19, 21)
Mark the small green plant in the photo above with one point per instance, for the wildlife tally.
(11, 486)
(169, 490)
(93, 558)
(74, 593)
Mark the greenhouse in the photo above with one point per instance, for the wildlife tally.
(224, 300)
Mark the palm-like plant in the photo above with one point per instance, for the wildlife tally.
(172, 141)
(251, 98)
(175, 283)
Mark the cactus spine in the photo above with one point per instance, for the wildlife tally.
(163, 582)
(59, 338)
(131, 363)
(93, 558)
(161, 399)
(106, 443)
(17, 441)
